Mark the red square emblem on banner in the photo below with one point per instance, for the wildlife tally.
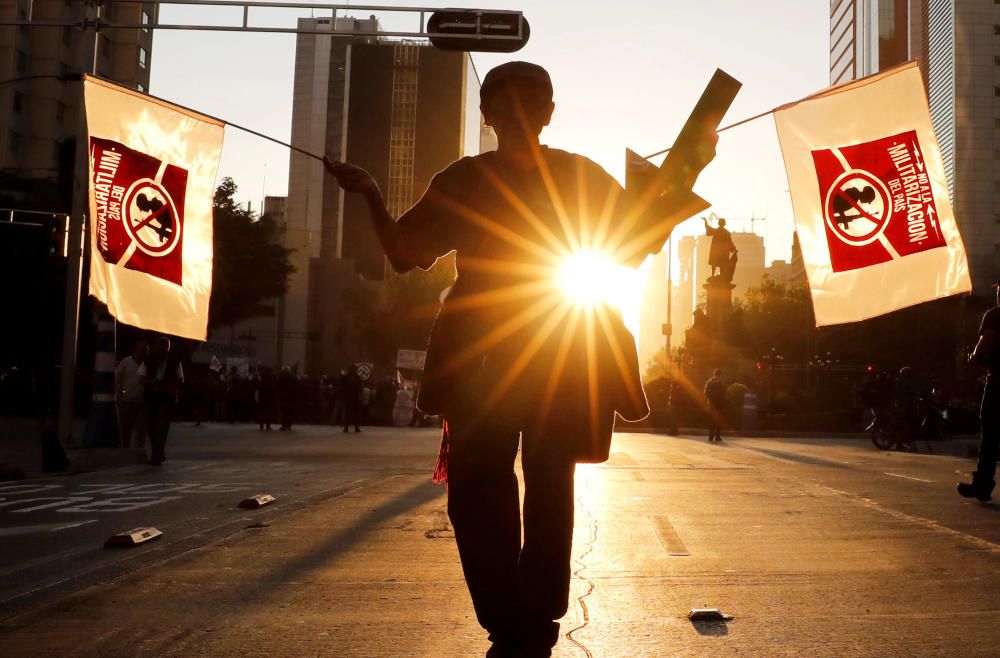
(139, 203)
(877, 201)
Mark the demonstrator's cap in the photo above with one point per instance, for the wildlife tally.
(497, 77)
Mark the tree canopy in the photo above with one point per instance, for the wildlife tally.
(251, 265)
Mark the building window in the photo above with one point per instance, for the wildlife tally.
(140, 88)
(18, 102)
(145, 20)
(14, 141)
(60, 111)
(22, 62)
(996, 29)
(142, 57)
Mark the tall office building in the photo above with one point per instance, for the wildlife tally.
(958, 46)
(401, 110)
(39, 117)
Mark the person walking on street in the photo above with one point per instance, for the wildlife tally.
(715, 392)
(130, 396)
(907, 399)
(986, 355)
(509, 358)
(162, 376)
(351, 388)
(263, 398)
(286, 389)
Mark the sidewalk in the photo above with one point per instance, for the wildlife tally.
(663, 527)
(21, 452)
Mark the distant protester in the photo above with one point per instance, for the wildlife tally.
(130, 396)
(162, 376)
(715, 394)
(986, 355)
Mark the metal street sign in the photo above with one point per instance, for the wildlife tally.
(482, 31)
(411, 359)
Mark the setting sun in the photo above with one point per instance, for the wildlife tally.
(591, 277)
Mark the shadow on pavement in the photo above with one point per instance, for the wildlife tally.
(341, 542)
(711, 628)
(795, 457)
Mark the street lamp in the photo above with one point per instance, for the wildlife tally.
(771, 358)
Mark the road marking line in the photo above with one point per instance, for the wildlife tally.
(44, 527)
(909, 477)
(919, 520)
(668, 537)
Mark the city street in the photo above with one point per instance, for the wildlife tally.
(816, 547)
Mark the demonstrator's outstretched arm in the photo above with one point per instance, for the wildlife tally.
(355, 179)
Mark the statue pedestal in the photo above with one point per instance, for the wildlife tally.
(718, 307)
(708, 339)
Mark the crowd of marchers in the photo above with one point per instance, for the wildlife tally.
(271, 400)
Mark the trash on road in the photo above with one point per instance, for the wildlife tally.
(133, 537)
(253, 502)
(708, 614)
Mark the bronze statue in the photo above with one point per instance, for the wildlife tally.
(722, 255)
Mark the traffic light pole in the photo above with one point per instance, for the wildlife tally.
(496, 30)
(75, 241)
(71, 324)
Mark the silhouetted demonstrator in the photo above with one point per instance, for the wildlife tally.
(987, 355)
(509, 357)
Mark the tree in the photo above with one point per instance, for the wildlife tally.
(251, 265)
(398, 312)
(774, 315)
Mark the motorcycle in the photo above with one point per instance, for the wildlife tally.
(889, 429)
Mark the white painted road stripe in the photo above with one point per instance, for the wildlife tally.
(930, 524)
(46, 527)
(910, 477)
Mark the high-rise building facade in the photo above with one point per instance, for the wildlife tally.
(40, 116)
(401, 110)
(958, 45)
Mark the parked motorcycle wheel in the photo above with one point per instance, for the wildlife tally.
(881, 439)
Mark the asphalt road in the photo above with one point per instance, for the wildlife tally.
(815, 547)
(53, 530)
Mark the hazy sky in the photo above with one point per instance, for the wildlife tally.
(626, 74)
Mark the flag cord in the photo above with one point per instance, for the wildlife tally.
(724, 128)
(214, 118)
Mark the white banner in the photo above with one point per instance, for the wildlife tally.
(870, 198)
(152, 180)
